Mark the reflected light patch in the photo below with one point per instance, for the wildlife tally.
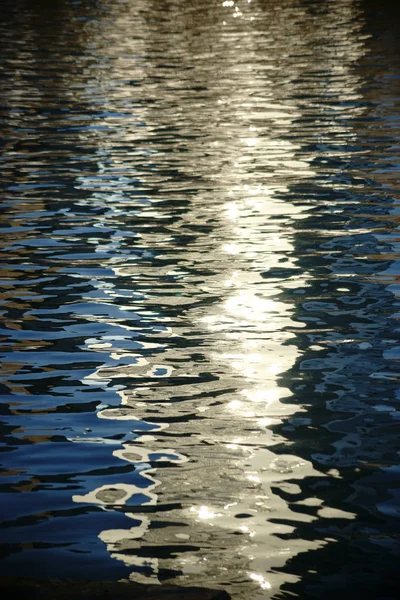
(328, 512)
(264, 395)
(267, 421)
(252, 307)
(254, 478)
(235, 404)
(232, 211)
(264, 584)
(231, 248)
(205, 513)
(276, 368)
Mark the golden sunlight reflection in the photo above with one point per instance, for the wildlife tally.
(252, 328)
(236, 142)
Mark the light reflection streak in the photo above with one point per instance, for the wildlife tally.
(255, 236)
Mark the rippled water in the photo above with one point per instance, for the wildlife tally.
(200, 263)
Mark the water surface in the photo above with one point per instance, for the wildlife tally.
(200, 262)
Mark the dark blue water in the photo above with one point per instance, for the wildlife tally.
(199, 294)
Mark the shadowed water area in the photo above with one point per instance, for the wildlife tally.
(199, 294)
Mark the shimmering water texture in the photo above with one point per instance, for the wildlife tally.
(200, 263)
